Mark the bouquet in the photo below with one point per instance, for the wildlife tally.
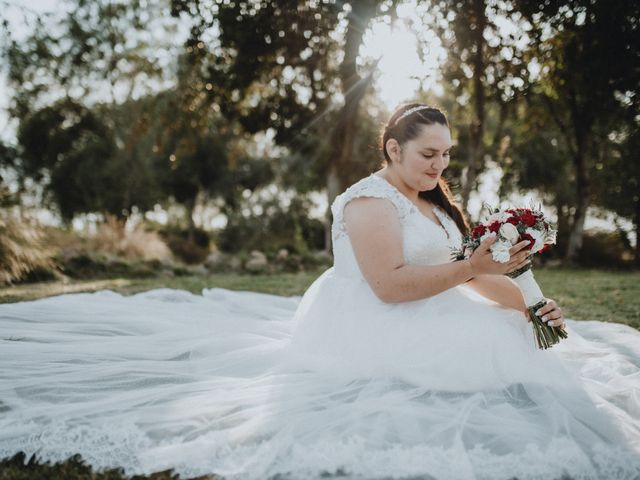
(511, 226)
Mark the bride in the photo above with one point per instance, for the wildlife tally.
(395, 363)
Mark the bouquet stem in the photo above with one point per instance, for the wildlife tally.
(546, 336)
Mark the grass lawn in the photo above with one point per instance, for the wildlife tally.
(583, 294)
(608, 296)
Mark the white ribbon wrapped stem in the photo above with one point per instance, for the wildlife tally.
(529, 287)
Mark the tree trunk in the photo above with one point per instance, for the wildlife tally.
(637, 257)
(582, 204)
(353, 89)
(563, 227)
(333, 190)
(476, 129)
(190, 206)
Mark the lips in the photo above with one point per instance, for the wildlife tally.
(432, 175)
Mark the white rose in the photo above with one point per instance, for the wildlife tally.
(538, 238)
(510, 232)
(499, 216)
(500, 251)
(486, 235)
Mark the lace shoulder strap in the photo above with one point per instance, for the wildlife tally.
(370, 186)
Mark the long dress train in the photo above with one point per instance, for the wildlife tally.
(335, 382)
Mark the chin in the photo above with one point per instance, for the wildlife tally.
(428, 186)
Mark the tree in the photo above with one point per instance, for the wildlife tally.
(483, 76)
(585, 50)
(279, 65)
(537, 158)
(68, 148)
(97, 46)
(618, 174)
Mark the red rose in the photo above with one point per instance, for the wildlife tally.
(513, 220)
(495, 226)
(546, 246)
(526, 236)
(478, 231)
(529, 219)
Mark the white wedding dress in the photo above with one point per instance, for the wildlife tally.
(333, 383)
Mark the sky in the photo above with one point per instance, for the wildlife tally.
(17, 29)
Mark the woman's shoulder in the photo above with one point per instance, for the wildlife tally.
(371, 186)
(365, 187)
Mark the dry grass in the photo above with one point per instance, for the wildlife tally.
(112, 237)
(23, 248)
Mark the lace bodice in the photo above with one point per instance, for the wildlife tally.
(424, 242)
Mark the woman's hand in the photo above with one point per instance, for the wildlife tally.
(551, 314)
(482, 259)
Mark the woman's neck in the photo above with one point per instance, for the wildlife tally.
(394, 179)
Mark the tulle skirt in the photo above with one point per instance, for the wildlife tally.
(255, 386)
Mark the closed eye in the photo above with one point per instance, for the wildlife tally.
(446, 154)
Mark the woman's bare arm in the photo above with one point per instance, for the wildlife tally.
(375, 233)
(500, 289)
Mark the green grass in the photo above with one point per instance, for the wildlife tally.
(583, 294)
(590, 294)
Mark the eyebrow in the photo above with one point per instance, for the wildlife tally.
(436, 150)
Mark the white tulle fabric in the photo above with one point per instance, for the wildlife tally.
(336, 382)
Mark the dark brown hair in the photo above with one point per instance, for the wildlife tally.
(409, 127)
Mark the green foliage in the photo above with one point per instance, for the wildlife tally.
(189, 149)
(273, 227)
(74, 153)
(79, 48)
(618, 173)
(99, 265)
(190, 246)
(584, 49)
(261, 57)
(605, 249)
(540, 161)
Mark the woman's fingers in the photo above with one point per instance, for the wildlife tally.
(517, 261)
(551, 314)
(518, 246)
(550, 305)
(556, 322)
(486, 243)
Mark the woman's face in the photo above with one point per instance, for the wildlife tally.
(421, 161)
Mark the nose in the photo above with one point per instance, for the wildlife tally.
(439, 162)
